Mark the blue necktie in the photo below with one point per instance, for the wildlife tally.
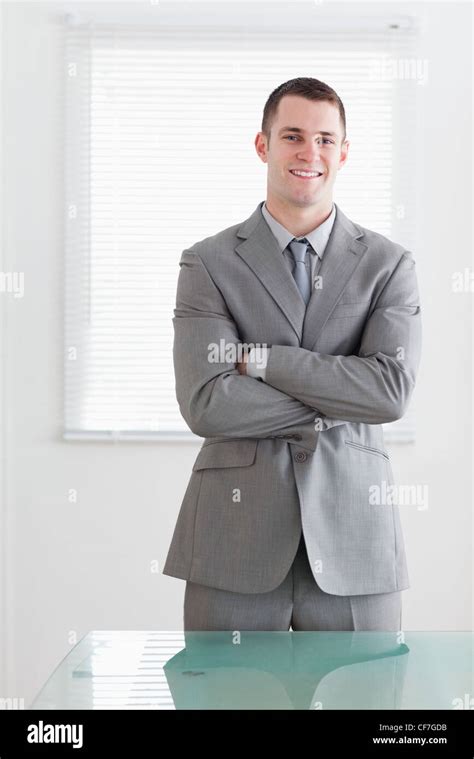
(301, 275)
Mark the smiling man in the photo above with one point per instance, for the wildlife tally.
(307, 150)
(279, 527)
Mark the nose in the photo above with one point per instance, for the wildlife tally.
(310, 152)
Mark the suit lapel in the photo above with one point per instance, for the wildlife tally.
(261, 252)
(343, 254)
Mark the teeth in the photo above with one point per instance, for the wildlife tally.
(306, 173)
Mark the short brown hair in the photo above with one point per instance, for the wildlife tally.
(306, 87)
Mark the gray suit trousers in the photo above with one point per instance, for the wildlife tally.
(298, 602)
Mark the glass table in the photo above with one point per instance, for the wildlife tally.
(263, 670)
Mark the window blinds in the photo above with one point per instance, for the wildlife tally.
(159, 130)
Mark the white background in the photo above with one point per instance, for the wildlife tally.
(70, 568)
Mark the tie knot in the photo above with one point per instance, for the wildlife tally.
(299, 248)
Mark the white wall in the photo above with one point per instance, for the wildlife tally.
(74, 568)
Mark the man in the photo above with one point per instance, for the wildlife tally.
(281, 525)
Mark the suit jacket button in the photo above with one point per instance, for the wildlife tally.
(301, 456)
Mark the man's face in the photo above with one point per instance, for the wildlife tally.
(316, 146)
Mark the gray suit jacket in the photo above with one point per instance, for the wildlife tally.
(303, 450)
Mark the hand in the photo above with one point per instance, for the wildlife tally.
(241, 366)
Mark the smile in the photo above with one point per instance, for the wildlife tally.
(305, 174)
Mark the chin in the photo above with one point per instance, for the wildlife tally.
(305, 200)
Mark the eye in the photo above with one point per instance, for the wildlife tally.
(295, 137)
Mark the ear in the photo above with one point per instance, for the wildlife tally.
(261, 146)
(344, 153)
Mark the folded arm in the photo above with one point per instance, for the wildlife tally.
(214, 399)
(374, 386)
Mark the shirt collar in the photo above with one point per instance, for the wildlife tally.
(318, 237)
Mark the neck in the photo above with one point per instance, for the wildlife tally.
(296, 219)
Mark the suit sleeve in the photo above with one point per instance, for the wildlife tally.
(374, 386)
(213, 397)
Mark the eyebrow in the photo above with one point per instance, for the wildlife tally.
(300, 131)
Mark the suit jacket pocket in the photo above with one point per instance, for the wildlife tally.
(349, 309)
(226, 453)
(367, 449)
